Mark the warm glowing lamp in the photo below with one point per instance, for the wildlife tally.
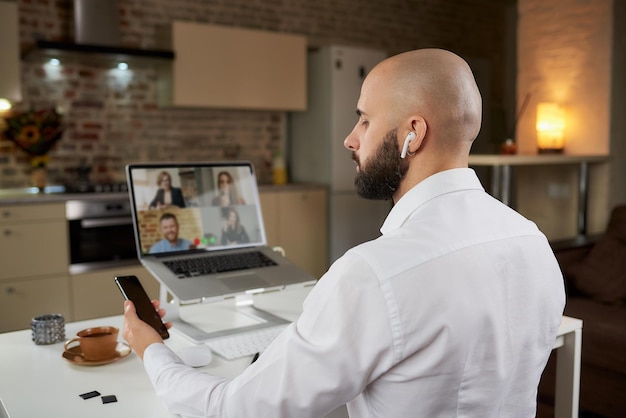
(4, 105)
(550, 128)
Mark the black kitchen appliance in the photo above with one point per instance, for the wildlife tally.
(100, 232)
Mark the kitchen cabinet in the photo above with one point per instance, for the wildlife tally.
(9, 45)
(33, 278)
(296, 220)
(34, 249)
(33, 240)
(228, 67)
(95, 294)
(21, 300)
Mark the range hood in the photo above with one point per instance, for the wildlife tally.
(97, 33)
(49, 48)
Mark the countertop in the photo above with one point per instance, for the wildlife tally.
(55, 194)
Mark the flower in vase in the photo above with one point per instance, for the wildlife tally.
(34, 131)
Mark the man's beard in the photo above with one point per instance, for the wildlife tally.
(380, 177)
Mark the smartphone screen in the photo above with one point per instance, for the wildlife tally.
(131, 288)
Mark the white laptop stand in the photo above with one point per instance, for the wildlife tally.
(244, 305)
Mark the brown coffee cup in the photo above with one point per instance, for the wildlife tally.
(97, 343)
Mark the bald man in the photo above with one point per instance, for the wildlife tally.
(452, 312)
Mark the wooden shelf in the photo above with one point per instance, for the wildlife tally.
(539, 159)
(501, 166)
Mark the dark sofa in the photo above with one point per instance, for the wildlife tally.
(595, 279)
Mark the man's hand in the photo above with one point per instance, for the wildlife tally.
(138, 333)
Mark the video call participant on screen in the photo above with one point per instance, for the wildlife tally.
(452, 312)
(227, 193)
(233, 231)
(170, 241)
(167, 196)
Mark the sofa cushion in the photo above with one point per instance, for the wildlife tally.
(617, 223)
(604, 333)
(601, 274)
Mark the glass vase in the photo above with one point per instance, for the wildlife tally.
(39, 178)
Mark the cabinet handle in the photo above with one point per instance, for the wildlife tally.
(7, 232)
(6, 214)
(11, 290)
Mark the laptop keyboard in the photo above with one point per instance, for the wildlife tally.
(244, 344)
(198, 266)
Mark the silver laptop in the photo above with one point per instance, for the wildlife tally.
(3, 412)
(199, 230)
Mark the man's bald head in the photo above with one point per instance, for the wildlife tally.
(429, 96)
(436, 84)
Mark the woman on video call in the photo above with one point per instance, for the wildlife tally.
(227, 193)
(233, 231)
(167, 196)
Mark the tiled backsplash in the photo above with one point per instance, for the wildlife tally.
(112, 117)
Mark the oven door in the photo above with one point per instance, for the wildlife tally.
(97, 243)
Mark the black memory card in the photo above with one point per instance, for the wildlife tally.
(90, 395)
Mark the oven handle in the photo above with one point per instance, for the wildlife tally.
(97, 223)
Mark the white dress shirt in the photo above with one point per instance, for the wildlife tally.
(452, 312)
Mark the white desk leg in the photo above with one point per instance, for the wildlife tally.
(567, 392)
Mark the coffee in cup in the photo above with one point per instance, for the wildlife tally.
(97, 343)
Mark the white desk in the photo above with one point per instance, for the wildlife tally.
(35, 381)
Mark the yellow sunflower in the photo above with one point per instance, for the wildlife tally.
(29, 135)
(34, 131)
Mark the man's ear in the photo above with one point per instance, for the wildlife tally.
(418, 125)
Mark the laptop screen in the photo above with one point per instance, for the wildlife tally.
(194, 207)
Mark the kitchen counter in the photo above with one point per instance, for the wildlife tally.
(53, 194)
(30, 195)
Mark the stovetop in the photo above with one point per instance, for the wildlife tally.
(114, 187)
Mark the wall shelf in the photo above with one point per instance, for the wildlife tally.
(501, 166)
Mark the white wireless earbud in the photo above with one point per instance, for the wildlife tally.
(410, 137)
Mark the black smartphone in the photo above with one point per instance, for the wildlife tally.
(131, 288)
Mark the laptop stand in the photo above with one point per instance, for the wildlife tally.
(244, 304)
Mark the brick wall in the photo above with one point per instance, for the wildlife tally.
(112, 120)
(565, 50)
(565, 57)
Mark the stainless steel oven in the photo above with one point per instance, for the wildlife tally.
(100, 233)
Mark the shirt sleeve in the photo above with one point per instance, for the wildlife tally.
(341, 342)
(184, 390)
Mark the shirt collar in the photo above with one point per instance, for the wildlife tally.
(436, 185)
